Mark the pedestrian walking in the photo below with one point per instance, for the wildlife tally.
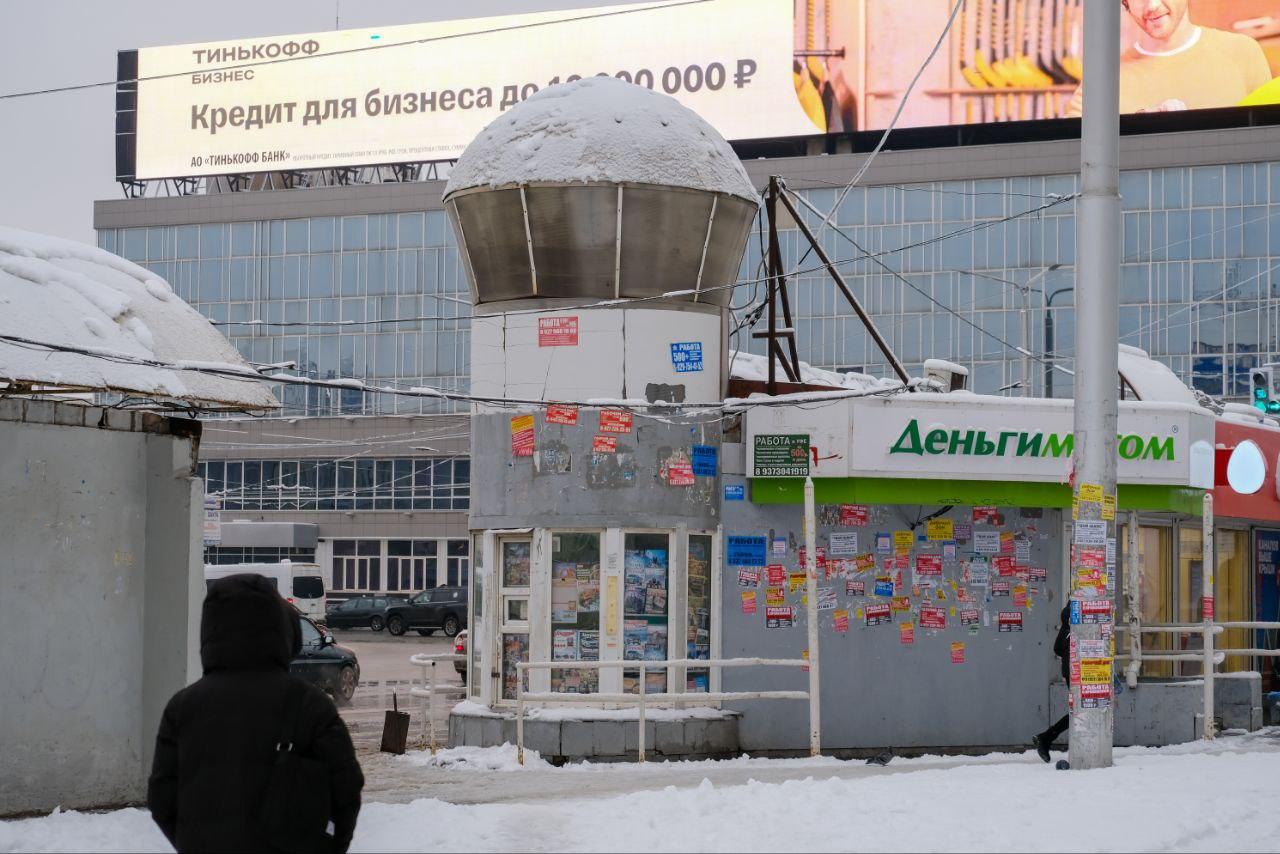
(249, 758)
(1062, 649)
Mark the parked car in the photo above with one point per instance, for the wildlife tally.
(361, 611)
(443, 608)
(460, 648)
(322, 662)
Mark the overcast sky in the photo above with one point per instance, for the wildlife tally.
(57, 152)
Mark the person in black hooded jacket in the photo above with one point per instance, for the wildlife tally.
(218, 737)
(1062, 649)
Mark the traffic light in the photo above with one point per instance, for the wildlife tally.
(1260, 382)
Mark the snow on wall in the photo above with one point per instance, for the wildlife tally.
(601, 129)
(70, 294)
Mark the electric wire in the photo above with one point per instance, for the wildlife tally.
(884, 137)
(230, 372)
(354, 50)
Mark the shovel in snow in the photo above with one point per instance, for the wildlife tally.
(395, 728)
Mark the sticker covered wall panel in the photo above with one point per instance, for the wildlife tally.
(883, 683)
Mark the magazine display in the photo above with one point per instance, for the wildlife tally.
(698, 627)
(575, 610)
(645, 635)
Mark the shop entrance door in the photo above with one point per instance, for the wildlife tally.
(514, 567)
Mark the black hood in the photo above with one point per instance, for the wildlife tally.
(245, 625)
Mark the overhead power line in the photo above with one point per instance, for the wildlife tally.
(249, 375)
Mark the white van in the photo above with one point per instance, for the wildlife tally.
(299, 583)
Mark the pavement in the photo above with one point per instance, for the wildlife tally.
(385, 672)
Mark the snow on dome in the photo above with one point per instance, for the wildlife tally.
(69, 294)
(601, 129)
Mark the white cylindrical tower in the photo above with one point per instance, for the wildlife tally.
(591, 191)
(597, 521)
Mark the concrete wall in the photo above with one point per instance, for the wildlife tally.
(100, 588)
(565, 484)
(877, 692)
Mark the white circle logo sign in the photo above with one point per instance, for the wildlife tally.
(1246, 469)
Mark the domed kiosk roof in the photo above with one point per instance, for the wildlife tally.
(601, 129)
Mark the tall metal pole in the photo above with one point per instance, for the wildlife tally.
(1048, 350)
(1207, 567)
(1026, 341)
(1097, 339)
(811, 615)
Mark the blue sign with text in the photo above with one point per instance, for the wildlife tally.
(686, 356)
(704, 460)
(735, 492)
(745, 551)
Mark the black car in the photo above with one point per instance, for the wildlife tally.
(443, 608)
(335, 669)
(361, 611)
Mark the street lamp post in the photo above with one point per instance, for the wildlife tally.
(1026, 328)
(1048, 340)
(1025, 290)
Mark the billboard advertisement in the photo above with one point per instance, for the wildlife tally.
(752, 68)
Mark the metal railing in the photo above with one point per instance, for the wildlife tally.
(641, 699)
(428, 690)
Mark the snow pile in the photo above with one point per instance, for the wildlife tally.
(69, 294)
(504, 758)
(749, 366)
(1152, 380)
(601, 129)
(1214, 797)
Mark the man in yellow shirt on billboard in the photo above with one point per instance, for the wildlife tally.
(1175, 64)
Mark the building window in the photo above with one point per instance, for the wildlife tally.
(575, 609)
(458, 562)
(363, 484)
(257, 554)
(698, 610)
(646, 567)
(411, 565)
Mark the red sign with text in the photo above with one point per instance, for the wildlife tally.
(853, 515)
(615, 421)
(932, 617)
(558, 331)
(558, 414)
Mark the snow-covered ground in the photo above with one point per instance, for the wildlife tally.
(1186, 798)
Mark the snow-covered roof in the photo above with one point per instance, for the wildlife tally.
(1152, 380)
(749, 366)
(601, 129)
(68, 294)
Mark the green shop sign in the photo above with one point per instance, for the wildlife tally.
(781, 456)
(1012, 443)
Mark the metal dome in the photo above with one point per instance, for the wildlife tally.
(600, 189)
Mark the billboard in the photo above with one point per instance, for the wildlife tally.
(752, 68)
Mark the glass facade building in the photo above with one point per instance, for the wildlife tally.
(383, 298)
(1201, 271)
(318, 292)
